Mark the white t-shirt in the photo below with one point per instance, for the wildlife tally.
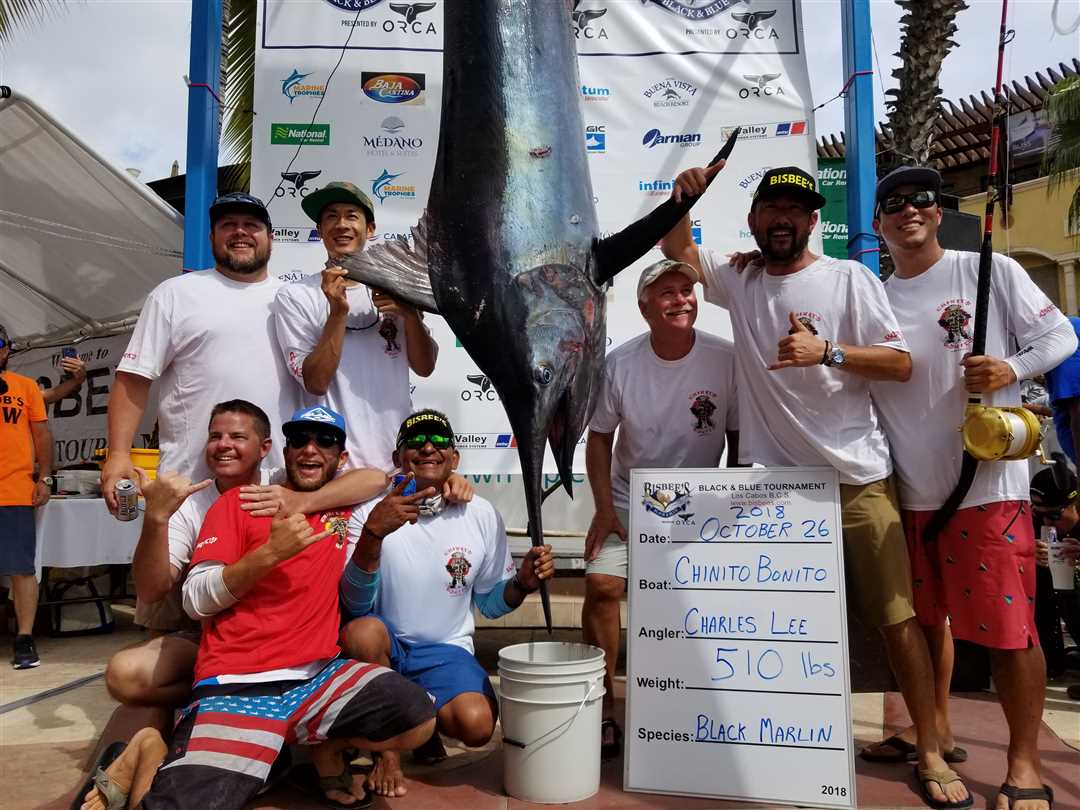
(670, 413)
(813, 416)
(936, 310)
(429, 570)
(209, 339)
(371, 386)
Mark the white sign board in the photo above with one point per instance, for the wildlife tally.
(737, 668)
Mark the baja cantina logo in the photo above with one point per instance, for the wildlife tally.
(354, 5)
(583, 23)
(294, 86)
(384, 187)
(393, 88)
(689, 9)
(670, 92)
(410, 22)
(666, 499)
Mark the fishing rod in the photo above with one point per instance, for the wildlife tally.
(989, 434)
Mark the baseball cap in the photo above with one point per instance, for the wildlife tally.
(316, 416)
(654, 271)
(1048, 491)
(790, 180)
(424, 421)
(338, 191)
(919, 176)
(239, 201)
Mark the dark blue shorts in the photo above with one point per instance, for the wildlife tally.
(444, 670)
(17, 540)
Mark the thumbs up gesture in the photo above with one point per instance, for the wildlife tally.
(800, 348)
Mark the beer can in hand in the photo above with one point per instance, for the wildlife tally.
(127, 500)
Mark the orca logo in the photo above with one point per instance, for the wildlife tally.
(299, 182)
(761, 86)
(410, 24)
(583, 19)
(483, 392)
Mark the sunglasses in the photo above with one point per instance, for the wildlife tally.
(1048, 514)
(300, 439)
(919, 199)
(439, 441)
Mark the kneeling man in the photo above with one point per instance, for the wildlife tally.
(418, 568)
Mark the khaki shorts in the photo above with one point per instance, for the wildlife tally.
(876, 564)
(166, 615)
(614, 557)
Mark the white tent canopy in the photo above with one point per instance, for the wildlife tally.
(81, 242)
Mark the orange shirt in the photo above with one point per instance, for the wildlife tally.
(21, 405)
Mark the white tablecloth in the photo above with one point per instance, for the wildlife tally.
(73, 532)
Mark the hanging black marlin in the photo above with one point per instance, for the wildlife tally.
(508, 249)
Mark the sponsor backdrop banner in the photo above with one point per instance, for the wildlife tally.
(662, 84)
(832, 182)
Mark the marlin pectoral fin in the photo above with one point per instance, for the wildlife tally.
(397, 268)
(622, 249)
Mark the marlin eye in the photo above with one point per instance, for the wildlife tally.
(543, 374)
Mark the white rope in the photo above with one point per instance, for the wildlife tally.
(1057, 26)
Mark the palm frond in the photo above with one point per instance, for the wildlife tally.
(238, 66)
(1061, 161)
(19, 14)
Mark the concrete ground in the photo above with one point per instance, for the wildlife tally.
(52, 717)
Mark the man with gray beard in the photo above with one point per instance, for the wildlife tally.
(206, 337)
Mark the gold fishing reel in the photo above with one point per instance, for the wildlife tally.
(1000, 434)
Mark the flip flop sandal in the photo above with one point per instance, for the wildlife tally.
(612, 749)
(1018, 794)
(901, 752)
(344, 782)
(943, 778)
(107, 758)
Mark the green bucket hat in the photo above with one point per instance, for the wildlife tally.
(336, 192)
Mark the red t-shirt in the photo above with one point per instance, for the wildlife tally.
(290, 617)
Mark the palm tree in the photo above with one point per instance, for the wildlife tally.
(237, 71)
(926, 39)
(1062, 159)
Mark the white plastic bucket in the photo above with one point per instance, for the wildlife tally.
(550, 710)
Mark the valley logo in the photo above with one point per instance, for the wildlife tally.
(293, 87)
(666, 499)
(670, 92)
(583, 19)
(483, 392)
(689, 9)
(761, 85)
(299, 181)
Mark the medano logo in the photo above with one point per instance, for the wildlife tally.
(655, 137)
(670, 92)
(392, 124)
(393, 88)
(689, 10)
(354, 5)
(393, 145)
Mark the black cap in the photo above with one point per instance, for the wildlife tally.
(423, 422)
(922, 177)
(790, 181)
(239, 201)
(1048, 491)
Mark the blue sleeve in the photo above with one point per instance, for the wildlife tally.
(492, 604)
(358, 591)
(1064, 381)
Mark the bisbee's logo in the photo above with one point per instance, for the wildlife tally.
(393, 88)
(353, 5)
(666, 499)
(689, 9)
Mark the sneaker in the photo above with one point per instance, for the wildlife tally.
(25, 656)
(1073, 691)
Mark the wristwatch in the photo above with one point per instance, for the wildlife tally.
(835, 357)
(47, 480)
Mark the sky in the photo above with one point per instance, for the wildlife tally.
(112, 70)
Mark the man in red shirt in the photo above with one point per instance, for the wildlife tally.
(268, 671)
(25, 439)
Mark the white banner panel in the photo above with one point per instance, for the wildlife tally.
(351, 90)
(737, 637)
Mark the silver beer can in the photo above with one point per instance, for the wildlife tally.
(127, 500)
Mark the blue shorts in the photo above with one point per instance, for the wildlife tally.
(17, 540)
(444, 670)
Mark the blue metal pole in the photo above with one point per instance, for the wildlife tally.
(859, 122)
(200, 186)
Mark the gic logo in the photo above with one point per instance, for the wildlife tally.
(393, 88)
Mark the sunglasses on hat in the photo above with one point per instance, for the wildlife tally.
(440, 441)
(299, 439)
(918, 199)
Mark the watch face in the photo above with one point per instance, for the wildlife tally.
(837, 357)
